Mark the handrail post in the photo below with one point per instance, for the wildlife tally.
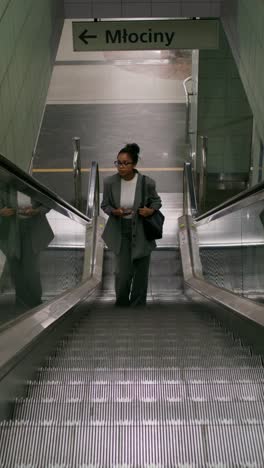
(30, 167)
(203, 171)
(92, 209)
(189, 196)
(187, 128)
(77, 173)
(187, 98)
(185, 188)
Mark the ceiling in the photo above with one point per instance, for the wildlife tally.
(141, 8)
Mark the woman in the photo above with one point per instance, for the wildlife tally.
(24, 232)
(124, 233)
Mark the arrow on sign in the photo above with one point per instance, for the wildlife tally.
(84, 36)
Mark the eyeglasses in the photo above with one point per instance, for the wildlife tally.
(124, 163)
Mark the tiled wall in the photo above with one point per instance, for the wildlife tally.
(29, 33)
(243, 22)
(224, 114)
(141, 8)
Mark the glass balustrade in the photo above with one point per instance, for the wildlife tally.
(44, 246)
(232, 249)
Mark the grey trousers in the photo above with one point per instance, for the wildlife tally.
(131, 277)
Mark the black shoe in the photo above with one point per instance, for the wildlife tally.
(22, 303)
(138, 304)
(122, 304)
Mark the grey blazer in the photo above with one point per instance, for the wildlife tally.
(39, 229)
(141, 247)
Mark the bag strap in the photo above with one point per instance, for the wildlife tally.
(143, 191)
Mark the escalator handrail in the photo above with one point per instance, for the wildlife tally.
(193, 276)
(232, 204)
(189, 195)
(187, 99)
(92, 208)
(77, 174)
(69, 210)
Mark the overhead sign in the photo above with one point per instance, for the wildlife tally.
(142, 35)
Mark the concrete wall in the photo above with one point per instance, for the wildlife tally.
(243, 22)
(224, 114)
(141, 8)
(29, 34)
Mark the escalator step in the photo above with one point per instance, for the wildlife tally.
(114, 361)
(176, 352)
(141, 390)
(150, 341)
(187, 411)
(133, 336)
(157, 391)
(68, 351)
(129, 333)
(172, 374)
(156, 445)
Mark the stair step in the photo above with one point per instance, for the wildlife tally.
(129, 332)
(158, 390)
(70, 352)
(148, 374)
(140, 411)
(152, 361)
(150, 342)
(149, 445)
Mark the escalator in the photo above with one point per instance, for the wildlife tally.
(166, 386)
(162, 387)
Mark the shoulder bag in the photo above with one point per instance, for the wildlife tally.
(153, 225)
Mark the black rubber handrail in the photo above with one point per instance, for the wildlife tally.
(33, 183)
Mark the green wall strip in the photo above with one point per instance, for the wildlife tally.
(27, 32)
(224, 114)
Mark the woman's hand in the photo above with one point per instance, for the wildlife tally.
(7, 212)
(31, 211)
(145, 212)
(120, 212)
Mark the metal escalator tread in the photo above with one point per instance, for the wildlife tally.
(136, 411)
(153, 374)
(98, 391)
(162, 387)
(153, 361)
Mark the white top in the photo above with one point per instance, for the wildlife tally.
(128, 190)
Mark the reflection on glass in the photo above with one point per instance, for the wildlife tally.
(41, 250)
(232, 251)
(63, 261)
(253, 251)
(221, 252)
(25, 232)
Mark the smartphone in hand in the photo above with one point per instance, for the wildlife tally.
(127, 211)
